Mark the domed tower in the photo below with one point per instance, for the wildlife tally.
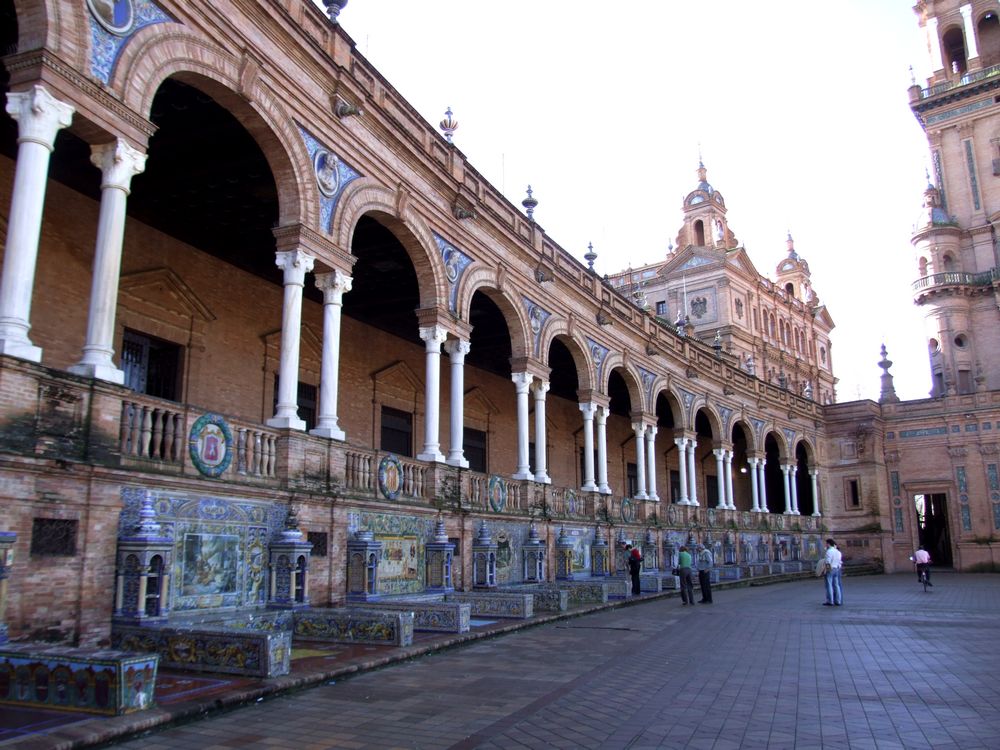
(705, 223)
(955, 238)
(792, 275)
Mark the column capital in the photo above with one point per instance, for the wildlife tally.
(39, 115)
(588, 409)
(719, 452)
(681, 442)
(433, 337)
(457, 349)
(651, 430)
(540, 387)
(639, 428)
(601, 414)
(333, 284)
(752, 461)
(296, 264)
(785, 468)
(814, 472)
(119, 162)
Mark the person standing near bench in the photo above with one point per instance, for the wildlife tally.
(834, 564)
(634, 561)
(705, 562)
(684, 570)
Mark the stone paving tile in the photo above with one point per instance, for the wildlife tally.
(764, 667)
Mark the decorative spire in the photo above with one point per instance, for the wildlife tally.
(484, 537)
(448, 125)
(291, 531)
(440, 533)
(147, 526)
(333, 8)
(529, 204)
(888, 392)
(590, 256)
(791, 246)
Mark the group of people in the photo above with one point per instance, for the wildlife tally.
(685, 570)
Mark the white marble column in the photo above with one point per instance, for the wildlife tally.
(433, 337)
(934, 45)
(639, 429)
(692, 473)
(762, 476)
(456, 404)
(754, 492)
(588, 446)
(601, 418)
(333, 285)
(681, 444)
(795, 490)
(814, 477)
(786, 471)
(730, 502)
(651, 461)
(39, 117)
(720, 478)
(522, 384)
(970, 32)
(538, 389)
(119, 163)
(295, 264)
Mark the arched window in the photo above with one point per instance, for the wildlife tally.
(790, 289)
(822, 354)
(988, 33)
(699, 233)
(922, 266)
(773, 326)
(953, 49)
(948, 263)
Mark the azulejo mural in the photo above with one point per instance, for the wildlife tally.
(112, 25)
(211, 444)
(390, 477)
(402, 567)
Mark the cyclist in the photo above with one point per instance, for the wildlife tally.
(923, 561)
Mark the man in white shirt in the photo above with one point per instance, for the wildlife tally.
(923, 560)
(834, 565)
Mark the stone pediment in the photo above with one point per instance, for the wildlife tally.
(691, 258)
(821, 314)
(398, 377)
(479, 403)
(161, 290)
(310, 345)
(739, 259)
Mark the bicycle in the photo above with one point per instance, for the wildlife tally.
(923, 579)
(922, 575)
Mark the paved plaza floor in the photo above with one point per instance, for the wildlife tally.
(761, 667)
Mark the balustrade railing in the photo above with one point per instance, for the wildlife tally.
(157, 430)
(973, 77)
(957, 278)
(361, 473)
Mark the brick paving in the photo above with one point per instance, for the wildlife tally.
(761, 667)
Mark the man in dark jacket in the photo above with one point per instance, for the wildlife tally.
(634, 560)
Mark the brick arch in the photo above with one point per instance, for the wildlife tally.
(364, 197)
(154, 55)
(633, 383)
(779, 438)
(674, 402)
(55, 25)
(748, 432)
(559, 329)
(714, 420)
(482, 279)
(810, 451)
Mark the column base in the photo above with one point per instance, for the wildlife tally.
(816, 515)
(523, 475)
(22, 349)
(653, 498)
(589, 487)
(287, 423)
(459, 461)
(641, 496)
(107, 372)
(543, 479)
(436, 457)
(333, 433)
(603, 489)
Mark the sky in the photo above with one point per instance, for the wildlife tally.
(798, 109)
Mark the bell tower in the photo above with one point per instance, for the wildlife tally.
(705, 223)
(955, 237)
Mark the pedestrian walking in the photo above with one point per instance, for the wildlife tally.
(834, 565)
(687, 582)
(634, 560)
(705, 562)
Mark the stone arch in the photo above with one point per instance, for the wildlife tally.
(55, 25)
(779, 438)
(662, 386)
(810, 450)
(366, 197)
(153, 55)
(559, 329)
(714, 420)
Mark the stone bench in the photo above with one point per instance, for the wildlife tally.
(439, 617)
(100, 681)
(582, 593)
(496, 603)
(546, 598)
(729, 573)
(212, 647)
(360, 624)
(619, 588)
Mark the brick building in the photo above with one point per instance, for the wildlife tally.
(244, 283)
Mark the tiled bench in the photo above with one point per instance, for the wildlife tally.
(355, 625)
(546, 598)
(100, 681)
(211, 647)
(496, 603)
(440, 617)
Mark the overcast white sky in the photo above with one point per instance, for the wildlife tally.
(800, 109)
